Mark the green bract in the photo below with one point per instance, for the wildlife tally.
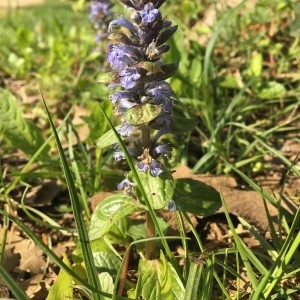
(142, 114)
(159, 189)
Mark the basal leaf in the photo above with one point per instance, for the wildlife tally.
(157, 281)
(107, 262)
(196, 197)
(160, 189)
(142, 114)
(63, 285)
(19, 132)
(107, 284)
(108, 213)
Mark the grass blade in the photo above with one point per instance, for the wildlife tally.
(12, 285)
(77, 210)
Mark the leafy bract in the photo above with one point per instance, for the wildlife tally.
(109, 212)
(157, 281)
(196, 197)
(159, 189)
(18, 131)
(142, 114)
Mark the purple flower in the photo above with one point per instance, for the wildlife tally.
(161, 93)
(99, 8)
(154, 167)
(128, 77)
(164, 150)
(121, 56)
(124, 23)
(120, 95)
(172, 205)
(125, 183)
(150, 14)
(119, 155)
(101, 16)
(125, 129)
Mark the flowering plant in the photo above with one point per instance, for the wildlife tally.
(143, 100)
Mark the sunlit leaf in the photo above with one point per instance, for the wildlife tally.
(19, 132)
(107, 262)
(142, 114)
(159, 189)
(62, 287)
(108, 212)
(272, 90)
(196, 197)
(157, 281)
(107, 284)
(256, 64)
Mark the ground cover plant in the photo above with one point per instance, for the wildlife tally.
(150, 150)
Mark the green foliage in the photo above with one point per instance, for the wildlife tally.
(196, 197)
(237, 87)
(62, 288)
(108, 213)
(159, 189)
(142, 114)
(157, 280)
(20, 133)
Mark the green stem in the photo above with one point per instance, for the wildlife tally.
(150, 226)
(150, 252)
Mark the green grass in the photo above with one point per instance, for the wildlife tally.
(242, 88)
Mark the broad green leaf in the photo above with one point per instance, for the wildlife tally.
(63, 285)
(107, 262)
(142, 114)
(108, 212)
(107, 284)
(107, 139)
(118, 232)
(160, 189)
(18, 131)
(272, 90)
(99, 245)
(196, 197)
(157, 281)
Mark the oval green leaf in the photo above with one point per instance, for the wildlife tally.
(109, 212)
(142, 114)
(159, 189)
(196, 197)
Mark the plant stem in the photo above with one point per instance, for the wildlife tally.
(150, 232)
(150, 226)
